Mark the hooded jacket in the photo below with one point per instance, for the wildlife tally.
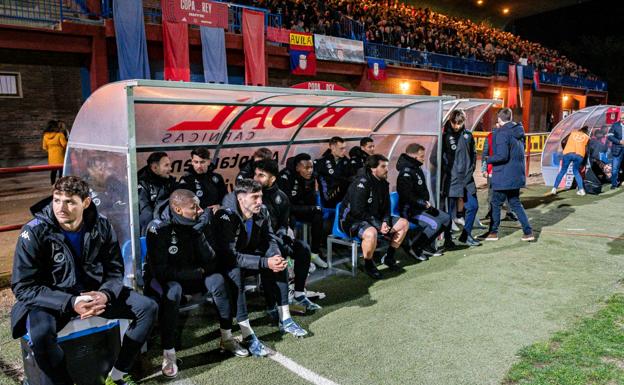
(507, 159)
(234, 245)
(334, 177)
(278, 206)
(177, 248)
(46, 272)
(358, 157)
(367, 200)
(300, 191)
(411, 187)
(153, 190)
(247, 170)
(208, 187)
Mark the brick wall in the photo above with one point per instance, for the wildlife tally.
(51, 89)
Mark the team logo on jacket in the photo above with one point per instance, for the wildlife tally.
(199, 193)
(466, 136)
(420, 182)
(370, 200)
(278, 199)
(331, 171)
(215, 179)
(59, 257)
(173, 249)
(97, 201)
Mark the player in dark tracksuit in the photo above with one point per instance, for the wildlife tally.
(415, 204)
(67, 264)
(201, 179)
(297, 182)
(334, 173)
(181, 261)
(358, 154)
(365, 213)
(248, 168)
(279, 207)
(245, 242)
(155, 184)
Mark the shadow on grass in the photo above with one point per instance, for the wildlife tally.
(556, 213)
(616, 246)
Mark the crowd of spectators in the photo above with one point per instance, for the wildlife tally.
(422, 29)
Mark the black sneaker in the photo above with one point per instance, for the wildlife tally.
(468, 239)
(449, 244)
(371, 269)
(391, 262)
(430, 251)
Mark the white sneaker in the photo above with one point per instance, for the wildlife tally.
(316, 259)
(454, 227)
(580, 192)
(312, 268)
(232, 346)
(169, 366)
(553, 191)
(459, 221)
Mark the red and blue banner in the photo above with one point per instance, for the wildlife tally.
(536, 80)
(376, 69)
(302, 62)
(302, 56)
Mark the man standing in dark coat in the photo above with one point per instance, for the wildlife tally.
(616, 137)
(508, 173)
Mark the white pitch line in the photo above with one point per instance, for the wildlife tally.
(299, 370)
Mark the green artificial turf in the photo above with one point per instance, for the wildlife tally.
(457, 319)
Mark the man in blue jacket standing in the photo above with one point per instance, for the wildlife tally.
(508, 173)
(617, 150)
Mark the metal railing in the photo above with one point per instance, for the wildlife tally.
(422, 59)
(49, 12)
(502, 68)
(153, 15)
(32, 11)
(351, 29)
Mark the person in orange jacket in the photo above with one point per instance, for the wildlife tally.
(55, 143)
(574, 151)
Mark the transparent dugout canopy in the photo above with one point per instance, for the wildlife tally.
(599, 120)
(122, 123)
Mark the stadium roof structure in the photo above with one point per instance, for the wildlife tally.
(123, 122)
